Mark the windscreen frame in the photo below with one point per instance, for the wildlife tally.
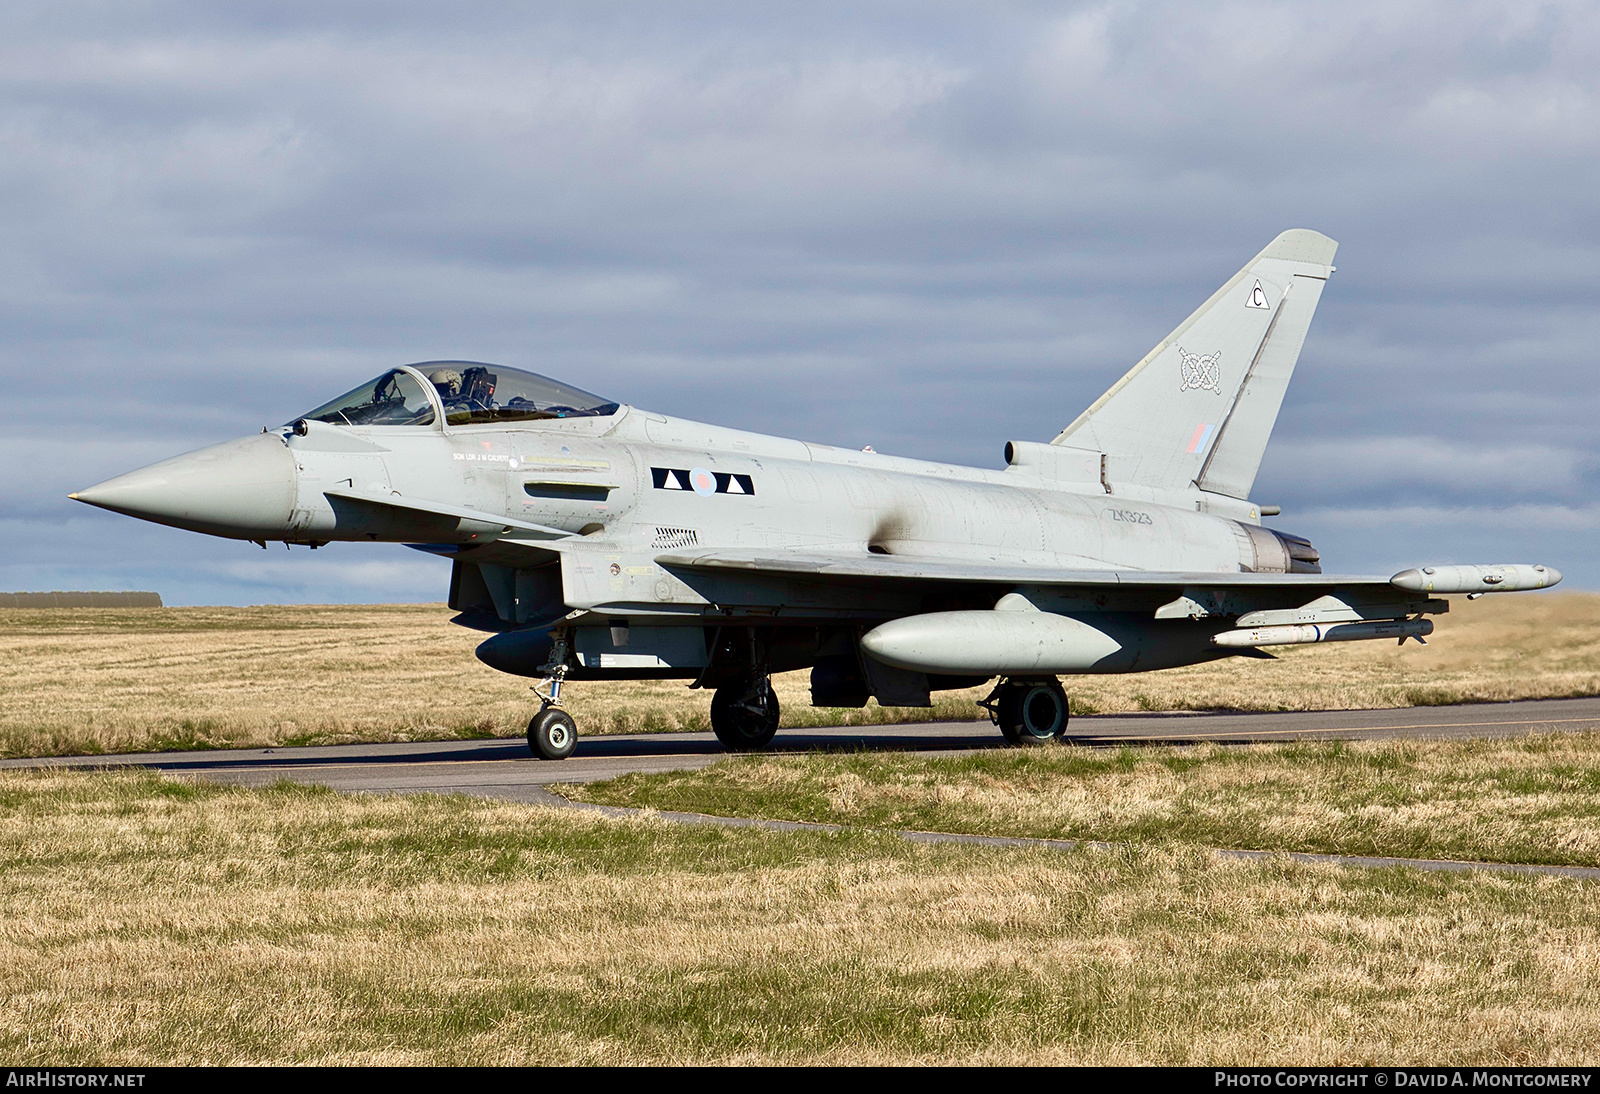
(437, 425)
(435, 406)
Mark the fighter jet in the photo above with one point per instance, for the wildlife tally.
(599, 541)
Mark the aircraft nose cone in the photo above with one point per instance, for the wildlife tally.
(243, 488)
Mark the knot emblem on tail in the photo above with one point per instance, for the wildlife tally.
(1200, 373)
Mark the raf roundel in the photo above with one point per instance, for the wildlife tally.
(702, 482)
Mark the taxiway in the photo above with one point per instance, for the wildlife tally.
(503, 768)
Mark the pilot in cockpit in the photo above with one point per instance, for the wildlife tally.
(468, 391)
(448, 383)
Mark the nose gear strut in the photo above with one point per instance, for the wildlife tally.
(552, 734)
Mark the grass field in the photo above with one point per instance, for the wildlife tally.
(1529, 799)
(76, 681)
(145, 920)
(148, 920)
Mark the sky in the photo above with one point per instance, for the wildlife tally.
(928, 227)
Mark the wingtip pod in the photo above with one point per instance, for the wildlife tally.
(1509, 578)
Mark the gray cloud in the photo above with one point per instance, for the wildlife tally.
(927, 228)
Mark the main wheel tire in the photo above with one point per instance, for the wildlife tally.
(744, 714)
(1033, 714)
(552, 734)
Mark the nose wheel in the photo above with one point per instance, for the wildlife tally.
(1029, 712)
(552, 734)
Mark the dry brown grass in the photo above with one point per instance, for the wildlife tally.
(1533, 799)
(82, 680)
(1535, 646)
(149, 921)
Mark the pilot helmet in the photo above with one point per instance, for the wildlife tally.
(447, 380)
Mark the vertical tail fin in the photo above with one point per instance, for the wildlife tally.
(1199, 408)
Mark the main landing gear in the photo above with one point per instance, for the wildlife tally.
(1029, 712)
(552, 734)
(744, 713)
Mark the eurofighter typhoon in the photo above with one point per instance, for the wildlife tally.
(599, 541)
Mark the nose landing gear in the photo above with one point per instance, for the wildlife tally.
(552, 734)
(1029, 712)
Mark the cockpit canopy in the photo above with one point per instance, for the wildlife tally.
(395, 398)
(471, 392)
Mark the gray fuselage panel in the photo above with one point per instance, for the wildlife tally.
(631, 498)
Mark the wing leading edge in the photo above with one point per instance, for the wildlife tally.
(1254, 600)
(921, 568)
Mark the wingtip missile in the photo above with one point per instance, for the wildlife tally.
(1506, 578)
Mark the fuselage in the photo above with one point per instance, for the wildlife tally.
(594, 522)
(630, 478)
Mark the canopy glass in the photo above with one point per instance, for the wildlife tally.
(395, 398)
(472, 393)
